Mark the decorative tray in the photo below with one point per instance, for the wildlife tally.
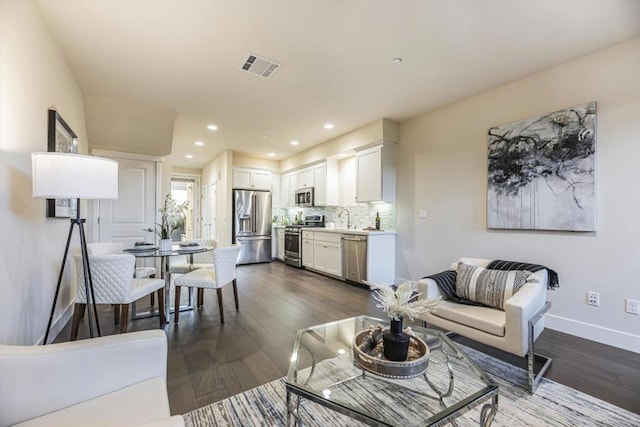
(372, 360)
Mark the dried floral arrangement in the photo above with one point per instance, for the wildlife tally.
(402, 300)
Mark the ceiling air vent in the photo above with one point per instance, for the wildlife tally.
(259, 65)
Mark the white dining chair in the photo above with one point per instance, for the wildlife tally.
(181, 265)
(225, 260)
(113, 283)
(108, 248)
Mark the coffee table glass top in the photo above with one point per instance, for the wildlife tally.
(322, 370)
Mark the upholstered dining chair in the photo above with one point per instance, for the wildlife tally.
(109, 248)
(113, 283)
(179, 265)
(200, 260)
(225, 260)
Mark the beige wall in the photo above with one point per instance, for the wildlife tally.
(382, 129)
(243, 160)
(442, 168)
(220, 172)
(34, 77)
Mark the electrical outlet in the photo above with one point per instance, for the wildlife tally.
(632, 306)
(593, 298)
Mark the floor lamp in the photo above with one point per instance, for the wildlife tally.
(73, 176)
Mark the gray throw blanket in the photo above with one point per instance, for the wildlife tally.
(552, 277)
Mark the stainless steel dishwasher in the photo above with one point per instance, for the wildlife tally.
(354, 258)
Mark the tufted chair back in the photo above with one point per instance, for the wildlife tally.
(105, 248)
(204, 257)
(112, 278)
(225, 260)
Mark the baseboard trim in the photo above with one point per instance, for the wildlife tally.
(59, 323)
(596, 333)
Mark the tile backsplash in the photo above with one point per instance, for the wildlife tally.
(361, 215)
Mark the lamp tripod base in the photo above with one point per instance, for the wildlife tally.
(88, 282)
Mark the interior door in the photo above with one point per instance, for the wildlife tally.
(132, 217)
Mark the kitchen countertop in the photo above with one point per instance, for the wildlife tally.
(360, 232)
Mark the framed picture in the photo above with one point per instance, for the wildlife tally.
(61, 139)
(542, 172)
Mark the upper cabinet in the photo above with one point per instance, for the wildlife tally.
(251, 179)
(376, 173)
(276, 195)
(288, 183)
(326, 176)
(305, 178)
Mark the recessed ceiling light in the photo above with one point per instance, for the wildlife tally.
(189, 156)
(264, 137)
(212, 127)
(295, 143)
(396, 60)
(328, 126)
(271, 154)
(199, 143)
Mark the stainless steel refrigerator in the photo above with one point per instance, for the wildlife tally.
(252, 225)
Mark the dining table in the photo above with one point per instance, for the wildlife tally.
(152, 251)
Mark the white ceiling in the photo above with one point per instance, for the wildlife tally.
(182, 59)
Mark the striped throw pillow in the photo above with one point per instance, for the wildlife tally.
(489, 287)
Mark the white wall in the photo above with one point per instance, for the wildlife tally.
(34, 77)
(442, 168)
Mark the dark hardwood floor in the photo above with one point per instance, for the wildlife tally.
(208, 361)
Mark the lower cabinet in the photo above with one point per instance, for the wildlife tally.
(326, 253)
(280, 244)
(308, 249)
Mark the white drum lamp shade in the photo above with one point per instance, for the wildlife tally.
(73, 176)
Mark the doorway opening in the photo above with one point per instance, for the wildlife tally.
(184, 189)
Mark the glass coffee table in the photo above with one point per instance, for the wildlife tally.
(322, 370)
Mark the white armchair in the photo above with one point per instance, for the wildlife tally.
(513, 329)
(117, 380)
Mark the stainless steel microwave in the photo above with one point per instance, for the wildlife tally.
(304, 197)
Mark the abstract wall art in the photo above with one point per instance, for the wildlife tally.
(541, 172)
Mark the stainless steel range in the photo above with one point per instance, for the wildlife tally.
(293, 239)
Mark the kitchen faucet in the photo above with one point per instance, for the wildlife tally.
(348, 217)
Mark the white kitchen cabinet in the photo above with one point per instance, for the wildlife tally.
(280, 244)
(276, 197)
(326, 183)
(347, 182)
(305, 178)
(307, 249)
(327, 253)
(251, 179)
(376, 173)
(288, 184)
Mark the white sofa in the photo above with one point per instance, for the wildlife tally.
(117, 380)
(513, 330)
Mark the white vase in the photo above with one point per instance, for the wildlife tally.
(165, 245)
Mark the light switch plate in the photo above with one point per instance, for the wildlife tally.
(422, 214)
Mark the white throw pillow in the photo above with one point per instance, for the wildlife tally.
(489, 287)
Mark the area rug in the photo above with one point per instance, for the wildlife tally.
(553, 405)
